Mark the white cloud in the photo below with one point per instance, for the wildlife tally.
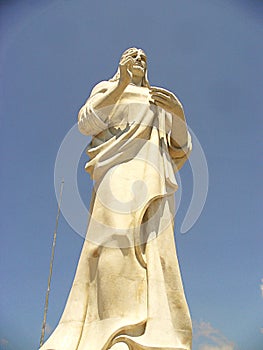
(211, 347)
(261, 288)
(211, 338)
(204, 329)
(3, 342)
(48, 329)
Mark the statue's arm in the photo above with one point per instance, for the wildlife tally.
(179, 132)
(111, 96)
(92, 117)
(179, 138)
(168, 101)
(180, 142)
(90, 122)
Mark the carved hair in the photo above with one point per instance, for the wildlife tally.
(126, 53)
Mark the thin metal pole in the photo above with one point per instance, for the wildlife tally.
(51, 267)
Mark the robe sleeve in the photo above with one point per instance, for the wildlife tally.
(180, 155)
(91, 122)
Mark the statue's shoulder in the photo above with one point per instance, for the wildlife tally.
(102, 87)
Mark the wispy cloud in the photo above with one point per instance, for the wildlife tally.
(219, 347)
(261, 288)
(3, 342)
(210, 338)
(48, 329)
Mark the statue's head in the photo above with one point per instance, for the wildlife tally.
(140, 66)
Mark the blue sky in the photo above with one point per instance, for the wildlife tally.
(208, 52)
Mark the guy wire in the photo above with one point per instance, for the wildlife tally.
(51, 266)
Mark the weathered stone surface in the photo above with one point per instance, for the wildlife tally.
(127, 292)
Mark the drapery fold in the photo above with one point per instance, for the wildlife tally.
(127, 287)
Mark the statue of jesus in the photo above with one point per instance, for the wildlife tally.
(127, 293)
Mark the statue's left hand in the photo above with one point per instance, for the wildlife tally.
(165, 99)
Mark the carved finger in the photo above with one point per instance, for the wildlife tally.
(160, 98)
(160, 104)
(161, 90)
(126, 60)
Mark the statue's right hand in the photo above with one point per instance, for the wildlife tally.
(125, 67)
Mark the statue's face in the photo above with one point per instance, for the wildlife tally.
(140, 61)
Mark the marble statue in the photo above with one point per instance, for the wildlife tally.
(127, 293)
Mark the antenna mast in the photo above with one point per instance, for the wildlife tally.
(51, 266)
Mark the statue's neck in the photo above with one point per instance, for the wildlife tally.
(137, 81)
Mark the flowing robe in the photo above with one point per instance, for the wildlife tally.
(127, 292)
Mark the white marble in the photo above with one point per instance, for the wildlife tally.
(127, 291)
